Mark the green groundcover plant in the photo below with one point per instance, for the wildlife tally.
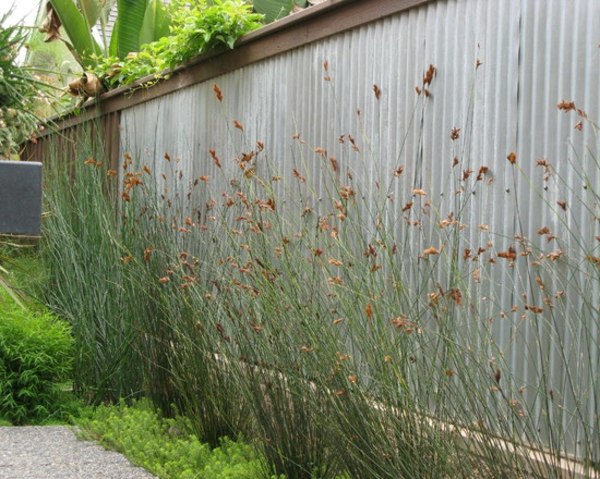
(35, 365)
(166, 446)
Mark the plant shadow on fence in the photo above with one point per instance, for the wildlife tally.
(347, 318)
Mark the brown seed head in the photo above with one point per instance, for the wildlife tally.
(218, 92)
(377, 92)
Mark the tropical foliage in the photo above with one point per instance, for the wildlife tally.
(146, 21)
(194, 30)
(154, 38)
(275, 9)
(19, 91)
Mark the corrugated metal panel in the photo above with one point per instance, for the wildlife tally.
(532, 54)
(105, 132)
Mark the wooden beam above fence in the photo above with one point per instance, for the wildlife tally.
(294, 31)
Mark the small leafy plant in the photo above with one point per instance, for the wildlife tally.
(35, 365)
(195, 29)
(167, 447)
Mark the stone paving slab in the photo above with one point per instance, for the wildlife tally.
(54, 452)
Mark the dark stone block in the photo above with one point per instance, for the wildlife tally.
(20, 197)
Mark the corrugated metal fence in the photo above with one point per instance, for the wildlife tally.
(501, 68)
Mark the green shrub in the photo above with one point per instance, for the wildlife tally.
(35, 365)
(166, 447)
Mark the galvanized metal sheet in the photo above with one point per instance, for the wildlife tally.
(501, 68)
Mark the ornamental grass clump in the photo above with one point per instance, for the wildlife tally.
(371, 324)
(82, 250)
(355, 321)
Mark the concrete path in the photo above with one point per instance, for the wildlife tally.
(54, 452)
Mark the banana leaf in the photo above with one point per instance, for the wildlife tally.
(91, 10)
(126, 33)
(82, 43)
(156, 22)
(274, 9)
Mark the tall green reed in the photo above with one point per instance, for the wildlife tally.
(349, 331)
(82, 250)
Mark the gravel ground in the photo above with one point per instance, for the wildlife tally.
(54, 452)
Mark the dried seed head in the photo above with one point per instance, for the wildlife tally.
(218, 92)
(430, 251)
(554, 255)
(510, 254)
(429, 74)
(534, 309)
(377, 91)
(456, 295)
(482, 172)
(594, 260)
(543, 231)
(334, 164)
(215, 158)
(298, 176)
(566, 105)
(346, 192)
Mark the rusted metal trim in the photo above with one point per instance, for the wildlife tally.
(296, 30)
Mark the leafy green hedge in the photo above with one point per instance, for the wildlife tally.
(35, 365)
